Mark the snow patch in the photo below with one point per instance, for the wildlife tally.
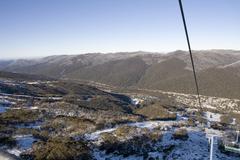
(213, 117)
(14, 151)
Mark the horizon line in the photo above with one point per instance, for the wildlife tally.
(116, 52)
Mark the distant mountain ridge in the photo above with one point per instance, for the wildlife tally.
(218, 71)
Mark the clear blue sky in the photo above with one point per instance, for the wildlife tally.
(33, 28)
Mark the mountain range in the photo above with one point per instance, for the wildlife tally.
(218, 71)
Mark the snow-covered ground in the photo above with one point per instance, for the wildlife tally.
(136, 101)
(5, 102)
(21, 97)
(208, 102)
(3, 108)
(195, 148)
(95, 135)
(32, 83)
(153, 124)
(24, 142)
(213, 117)
(146, 124)
(34, 125)
(6, 156)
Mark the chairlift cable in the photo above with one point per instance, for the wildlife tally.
(190, 52)
(194, 72)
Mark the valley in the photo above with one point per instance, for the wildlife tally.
(218, 70)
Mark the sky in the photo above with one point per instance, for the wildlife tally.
(37, 28)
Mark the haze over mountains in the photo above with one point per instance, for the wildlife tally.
(218, 71)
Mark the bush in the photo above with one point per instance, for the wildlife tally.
(68, 125)
(217, 126)
(125, 131)
(42, 135)
(139, 145)
(60, 149)
(129, 140)
(6, 140)
(156, 112)
(108, 137)
(155, 136)
(181, 134)
(191, 122)
(20, 116)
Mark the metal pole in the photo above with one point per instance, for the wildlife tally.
(237, 136)
(211, 149)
